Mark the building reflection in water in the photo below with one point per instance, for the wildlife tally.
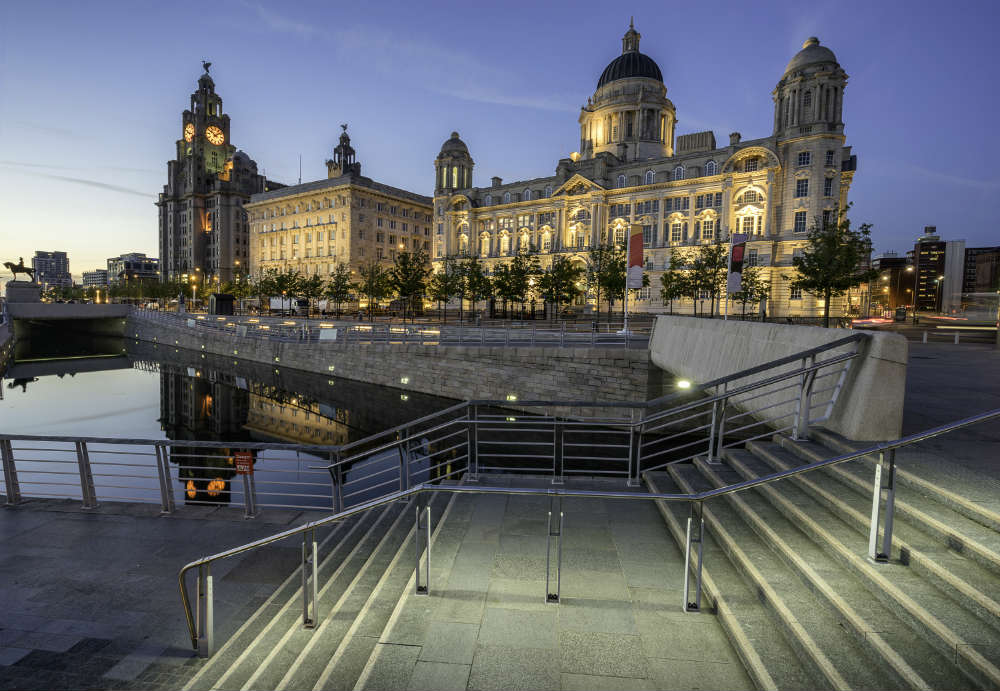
(218, 400)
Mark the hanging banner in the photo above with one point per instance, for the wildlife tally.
(635, 263)
(736, 251)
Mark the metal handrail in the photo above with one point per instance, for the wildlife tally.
(698, 497)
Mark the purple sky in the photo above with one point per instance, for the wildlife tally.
(91, 96)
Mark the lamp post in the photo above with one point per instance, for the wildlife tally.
(939, 293)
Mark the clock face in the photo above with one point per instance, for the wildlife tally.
(188, 132)
(214, 135)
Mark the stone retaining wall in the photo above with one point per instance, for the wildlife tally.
(459, 372)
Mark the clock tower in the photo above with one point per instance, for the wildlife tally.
(204, 232)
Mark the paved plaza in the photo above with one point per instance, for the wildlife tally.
(90, 597)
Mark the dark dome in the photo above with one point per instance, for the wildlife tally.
(628, 65)
(812, 52)
(454, 144)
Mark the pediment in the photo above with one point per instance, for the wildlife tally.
(577, 185)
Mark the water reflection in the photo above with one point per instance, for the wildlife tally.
(162, 393)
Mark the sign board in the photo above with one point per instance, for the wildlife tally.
(327, 334)
(635, 262)
(244, 462)
(738, 246)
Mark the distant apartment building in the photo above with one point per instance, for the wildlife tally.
(98, 278)
(940, 267)
(345, 219)
(980, 269)
(132, 266)
(52, 270)
(894, 285)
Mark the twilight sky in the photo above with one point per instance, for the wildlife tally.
(91, 96)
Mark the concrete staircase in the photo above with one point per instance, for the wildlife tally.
(367, 565)
(928, 619)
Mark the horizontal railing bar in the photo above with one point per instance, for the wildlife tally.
(595, 458)
(570, 471)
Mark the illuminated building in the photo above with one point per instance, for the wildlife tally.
(940, 269)
(203, 226)
(132, 266)
(52, 270)
(96, 278)
(683, 191)
(345, 219)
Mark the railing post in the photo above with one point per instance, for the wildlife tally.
(562, 335)
(634, 451)
(249, 495)
(555, 511)
(423, 535)
(310, 562)
(482, 334)
(86, 476)
(719, 428)
(506, 335)
(204, 612)
(336, 482)
(11, 485)
(886, 466)
(404, 462)
(163, 472)
(695, 536)
(461, 330)
(532, 334)
(806, 379)
(557, 451)
(473, 474)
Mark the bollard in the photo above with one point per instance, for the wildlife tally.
(925, 337)
(956, 338)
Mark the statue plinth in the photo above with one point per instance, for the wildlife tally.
(23, 291)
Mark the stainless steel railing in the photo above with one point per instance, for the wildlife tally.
(200, 623)
(332, 333)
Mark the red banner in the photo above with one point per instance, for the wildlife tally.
(244, 462)
(635, 262)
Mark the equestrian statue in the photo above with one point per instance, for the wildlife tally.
(20, 268)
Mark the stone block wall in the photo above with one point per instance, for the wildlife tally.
(459, 372)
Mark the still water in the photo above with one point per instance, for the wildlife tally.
(141, 391)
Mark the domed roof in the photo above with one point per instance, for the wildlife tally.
(631, 63)
(454, 144)
(812, 52)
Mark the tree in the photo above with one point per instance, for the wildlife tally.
(607, 272)
(477, 284)
(753, 288)
(310, 288)
(338, 288)
(674, 281)
(513, 280)
(408, 277)
(446, 283)
(834, 260)
(560, 283)
(708, 272)
(373, 283)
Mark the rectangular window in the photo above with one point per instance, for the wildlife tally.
(707, 229)
(718, 198)
(750, 166)
(804, 158)
(686, 203)
(647, 236)
(378, 222)
(800, 221)
(440, 229)
(802, 187)
(795, 294)
(675, 233)
(829, 158)
(751, 257)
(828, 187)
(828, 218)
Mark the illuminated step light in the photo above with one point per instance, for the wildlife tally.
(512, 397)
(404, 380)
(683, 384)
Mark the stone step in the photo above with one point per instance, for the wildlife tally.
(351, 656)
(950, 528)
(209, 671)
(769, 659)
(964, 579)
(804, 618)
(953, 630)
(873, 627)
(971, 494)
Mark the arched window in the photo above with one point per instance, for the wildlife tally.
(454, 176)
(807, 99)
(525, 243)
(751, 197)
(506, 197)
(649, 178)
(489, 199)
(679, 173)
(484, 245)
(526, 196)
(548, 191)
(711, 168)
(621, 180)
(505, 244)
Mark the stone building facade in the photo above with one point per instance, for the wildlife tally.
(683, 191)
(345, 219)
(203, 227)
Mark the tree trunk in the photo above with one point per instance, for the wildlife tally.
(826, 310)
